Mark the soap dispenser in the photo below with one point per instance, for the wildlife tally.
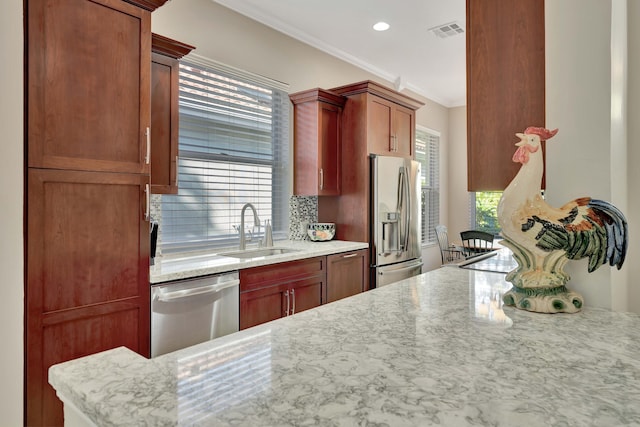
(268, 235)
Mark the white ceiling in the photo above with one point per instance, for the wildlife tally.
(407, 54)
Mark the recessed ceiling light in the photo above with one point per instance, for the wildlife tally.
(381, 26)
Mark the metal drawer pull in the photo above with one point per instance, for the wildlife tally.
(400, 270)
(203, 290)
(286, 294)
(321, 178)
(349, 256)
(293, 295)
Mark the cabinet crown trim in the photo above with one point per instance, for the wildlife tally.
(150, 5)
(318, 94)
(169, 47)
(377, 89)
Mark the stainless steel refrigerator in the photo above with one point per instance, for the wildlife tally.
(396, 220)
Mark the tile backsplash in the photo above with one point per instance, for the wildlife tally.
(302, 210)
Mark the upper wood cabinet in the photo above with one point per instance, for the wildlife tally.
(505, 85)
(317, 141)
(388, 117)
(88, 85)
(371, 116)
(165, 70)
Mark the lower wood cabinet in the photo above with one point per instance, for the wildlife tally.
(347, 274)
(87, 283)
(278, 290)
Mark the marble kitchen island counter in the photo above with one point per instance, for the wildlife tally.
(436, 349)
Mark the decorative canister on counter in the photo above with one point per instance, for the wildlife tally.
(321, 231)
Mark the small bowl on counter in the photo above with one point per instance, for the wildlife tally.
(321, 231)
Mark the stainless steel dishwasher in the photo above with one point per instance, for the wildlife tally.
(191, 311)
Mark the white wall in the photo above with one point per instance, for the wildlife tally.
(587, 157)
(458, 197)
(226, 36)
(632, 265)
(11, 194)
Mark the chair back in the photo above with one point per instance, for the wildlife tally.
(448, 252)
(475, 242)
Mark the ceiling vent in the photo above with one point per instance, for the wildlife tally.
(447, 30)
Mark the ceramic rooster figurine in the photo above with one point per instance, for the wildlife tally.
(544, 238)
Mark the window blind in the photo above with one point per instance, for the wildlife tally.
(233, 150)
(427, 153)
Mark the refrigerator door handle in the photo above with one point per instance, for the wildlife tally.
(400, 208)
(408, 219)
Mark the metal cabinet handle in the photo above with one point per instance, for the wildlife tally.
(293, 295)
(321, 178)
(148, 201)
(350, 255)
(147, 158)
(286, 294)
(177, 170)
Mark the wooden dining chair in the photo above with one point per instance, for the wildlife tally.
(448, 252)
(475, 242)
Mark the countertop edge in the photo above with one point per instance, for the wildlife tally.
(171, 268)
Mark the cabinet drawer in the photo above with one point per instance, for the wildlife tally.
(258, 277)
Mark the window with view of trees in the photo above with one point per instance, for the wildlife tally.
(427, 153)
(233, 149)
(485, 211)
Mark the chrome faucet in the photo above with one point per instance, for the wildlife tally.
(256, 221)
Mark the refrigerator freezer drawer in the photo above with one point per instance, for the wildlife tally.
(393, 273)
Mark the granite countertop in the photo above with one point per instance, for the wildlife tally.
(435, 349)
(169, 268)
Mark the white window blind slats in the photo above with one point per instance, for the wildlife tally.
(427, 152)
(233, 150)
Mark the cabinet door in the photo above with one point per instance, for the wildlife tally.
(263, 305)
(379, 125)
(88, 85)
(347, 274)
(329, 150)
(164, 124)
(403, 132)
(87, 287)
(317, 135)
(305, 294)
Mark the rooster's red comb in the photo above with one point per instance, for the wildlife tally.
(543, 133)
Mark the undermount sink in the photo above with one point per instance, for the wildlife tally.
(257, 253)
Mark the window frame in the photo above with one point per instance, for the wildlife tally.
(278, 163)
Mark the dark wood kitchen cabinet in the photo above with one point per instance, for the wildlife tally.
(371, 116)
(87, 186)
(386, 118)
(165, 70)
(392, 128)
(505, 85)
(347, 274)
(317, 142)
(88, 85)
(273, 291)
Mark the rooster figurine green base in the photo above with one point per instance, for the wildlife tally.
(543, 238)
